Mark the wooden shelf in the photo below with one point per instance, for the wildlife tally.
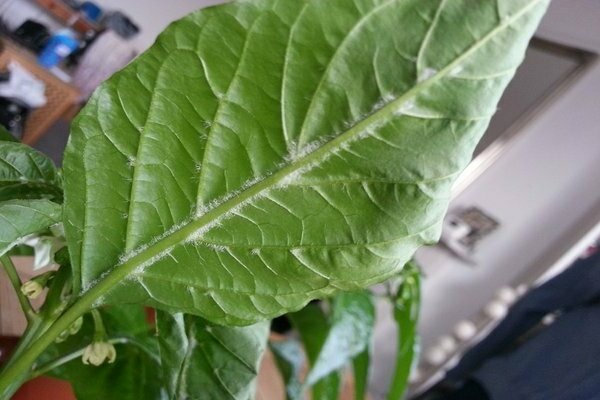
(61, 96)
(66, 15)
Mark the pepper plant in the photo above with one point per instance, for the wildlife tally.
(262, 154)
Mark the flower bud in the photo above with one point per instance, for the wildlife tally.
(97, 352)
(32, 289)
(76, 326)
(62, 337)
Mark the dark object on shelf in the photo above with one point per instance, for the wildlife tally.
(12, 116)
(58, 48)
(73, 60)
(74, 4)
(32, 35)
(91, 11)
(121, 24)
(7, 345)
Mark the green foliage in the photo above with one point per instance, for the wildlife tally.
(6, 136)
(235, 173)
(313, 326)
(331, 342)
(20, 218)
(349, 334)
(406, 314)
(27, 174)
(136, 372)
(260, 155)
(360, 367)
(290, 359)
(201, 361)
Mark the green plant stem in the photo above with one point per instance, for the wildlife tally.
(99, 331)
(13, 276)
(19, 367)
(28, 337)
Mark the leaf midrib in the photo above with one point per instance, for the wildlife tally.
(160, 246)
(359, 24)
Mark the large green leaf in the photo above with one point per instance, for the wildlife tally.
(265, 153)
(20, 218)
(136, 372)
(406, 314)
(201, 361)
(26, 173)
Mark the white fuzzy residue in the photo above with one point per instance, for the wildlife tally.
(295, 153)
(456, 70)
(151, 261)
(133, 253)
(131, 161)
(406, 107)
(426, 74)
(216, 247)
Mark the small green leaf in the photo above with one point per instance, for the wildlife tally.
(25, 173)
(349, 334)
(20, 218)
(313, 326)
(134, 375)
(290, 360)
(201, 361)
(331, 343)
(6, 136)
(406, 314)
(59, 290)
(360, 368)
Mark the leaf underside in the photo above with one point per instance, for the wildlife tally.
(25, 173)
(265, 153)
(20, 218)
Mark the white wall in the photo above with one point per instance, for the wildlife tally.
(153, 16)
(574, 23)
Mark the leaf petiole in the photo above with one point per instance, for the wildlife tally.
(99, 330)
(13, 276)
(44, 369)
